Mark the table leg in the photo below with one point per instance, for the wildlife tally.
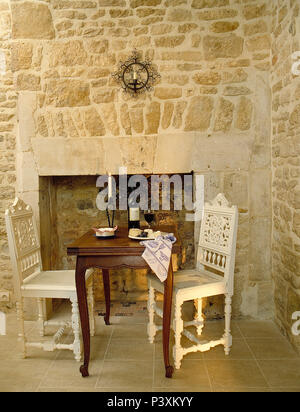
(168, 292)
(105, 274)
(83, 312)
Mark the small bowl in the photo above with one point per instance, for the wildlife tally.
(105, 231)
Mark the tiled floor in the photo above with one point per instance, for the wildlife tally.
(122, 360)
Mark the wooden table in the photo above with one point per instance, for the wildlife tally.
(115, 253)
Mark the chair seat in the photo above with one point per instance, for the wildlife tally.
(192, 282)
(61, 282)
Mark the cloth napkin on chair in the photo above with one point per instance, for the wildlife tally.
(158, 253)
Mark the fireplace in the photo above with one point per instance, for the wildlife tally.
(67, 206)
(56, 175)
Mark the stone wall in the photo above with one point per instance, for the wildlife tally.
(208, 53)
(8, 103)
(209, 113)
(286, 164)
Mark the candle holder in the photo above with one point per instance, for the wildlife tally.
(110, 214)
(136, 76)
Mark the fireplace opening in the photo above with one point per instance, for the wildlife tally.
(68, 209)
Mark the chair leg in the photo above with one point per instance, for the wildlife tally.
(21, 333)
(41, 319)
(227, 335)
(76, 329)
(106, 284)
(199, 316)
(178, 328)
(90, 299)
(151, 328)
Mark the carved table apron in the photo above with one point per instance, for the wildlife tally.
(116, 253)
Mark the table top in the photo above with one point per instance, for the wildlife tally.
(120, 245)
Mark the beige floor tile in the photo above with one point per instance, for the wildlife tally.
(12, 325)
(158, 350)
(127, 349)
(76, 389)
(159, 337)
(285, 390)
(159, 354)
(22, 375)
(192, 374)
(101, 329)
(64, 374)
(98, 346)
(128, 389)
(122, 361)
(281, 373)
(235, 374)
(130, 331)
(278, 348)
(129, 320)
(220, 388)
(239, 351)
(259, 329)
(139, 389)
(9, 348)
(117, 374)
(214, 329)
(184, 389)
(19, 385)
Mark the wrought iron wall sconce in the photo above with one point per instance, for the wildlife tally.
(136, 76)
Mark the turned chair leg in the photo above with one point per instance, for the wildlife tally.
(151, 327)
(199, 316)
(178, 328)
(227, 335)
(21, 332)
(76, 329)
(41, 319)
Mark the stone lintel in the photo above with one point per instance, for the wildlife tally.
(157, 154)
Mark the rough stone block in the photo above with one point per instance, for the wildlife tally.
(224, 116)
(153, 118)
(93, 122)
(199, 113)
(222, 47)
(244, 114)
(260, 192)
(207, 78)
(68, 53)
(224, 26)
(27, 81)
(39, 16)
(67, 93)
(21, 56)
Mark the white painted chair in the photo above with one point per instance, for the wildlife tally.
(30, 281)
(213, 275)
(2, 323)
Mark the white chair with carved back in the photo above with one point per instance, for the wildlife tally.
(213, 275)
(30, 281)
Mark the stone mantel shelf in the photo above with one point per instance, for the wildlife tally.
(156, 154)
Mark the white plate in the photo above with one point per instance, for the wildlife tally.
(141, 238)
(146, 238)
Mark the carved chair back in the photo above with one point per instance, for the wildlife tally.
(23, 243)
(217, 241)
